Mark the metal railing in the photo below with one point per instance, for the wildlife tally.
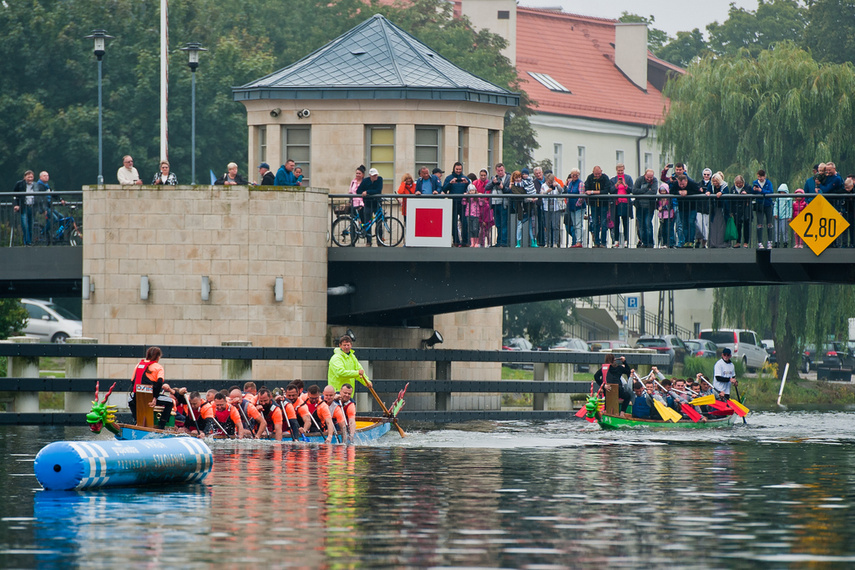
(57, 218)
(610, 220)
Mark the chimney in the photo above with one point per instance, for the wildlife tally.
(631, 51)
(498, 16)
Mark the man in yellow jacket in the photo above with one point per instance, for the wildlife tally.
(344, 366)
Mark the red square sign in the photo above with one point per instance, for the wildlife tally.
(428, 222)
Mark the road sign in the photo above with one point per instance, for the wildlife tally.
(631, 305)
(819, 224)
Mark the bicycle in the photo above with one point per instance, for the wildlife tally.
(347, 230)
(66, 229)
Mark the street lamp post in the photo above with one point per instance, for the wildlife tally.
(193, 49)
(100, 37)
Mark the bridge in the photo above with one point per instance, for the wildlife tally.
(417, 283)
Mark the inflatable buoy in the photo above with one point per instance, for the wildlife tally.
(68, 465)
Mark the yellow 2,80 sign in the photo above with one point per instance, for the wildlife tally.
(819, 224)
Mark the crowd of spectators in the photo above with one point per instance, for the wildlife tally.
(538, 209)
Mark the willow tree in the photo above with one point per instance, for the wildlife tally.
(781, 111)
(794, 315)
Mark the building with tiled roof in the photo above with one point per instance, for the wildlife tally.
(374, 96)
(597, 88)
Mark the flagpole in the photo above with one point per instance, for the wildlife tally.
(164, 78)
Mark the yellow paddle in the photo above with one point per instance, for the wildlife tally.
(703, 400)
(667, 413)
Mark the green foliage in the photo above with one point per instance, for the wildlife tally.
(13, 317)
(538, 321)
(773, 21)
(692, 365)
(771, 112)
(825, 35)
(656, 38)
(684, 49)
(794, 315)
(48, 91)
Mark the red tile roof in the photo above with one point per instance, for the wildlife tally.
(578, 52)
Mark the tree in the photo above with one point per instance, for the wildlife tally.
(795, 315)
(684, 49)
(538, 321)
(740, 113)
(13, 317)
(773, 21)
(48, 91)
(656, 38)
(826, 35)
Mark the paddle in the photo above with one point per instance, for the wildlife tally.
(737, 406)
(190, 408)
(703, 400)
(385, 411)
(664, 411)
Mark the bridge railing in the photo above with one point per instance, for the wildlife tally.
(57, 218)
(22, 388)
(565, 220)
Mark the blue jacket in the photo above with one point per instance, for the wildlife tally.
(573, 188)
(285, 178)
(765, 190)
(450, 187)
(641, 407)
(429, 186)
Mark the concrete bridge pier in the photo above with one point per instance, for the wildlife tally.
(24, 367)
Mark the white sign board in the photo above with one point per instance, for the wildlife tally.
(428, 223)
(631, 305)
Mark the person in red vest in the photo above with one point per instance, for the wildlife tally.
(149, 372)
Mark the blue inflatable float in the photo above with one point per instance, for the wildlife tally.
(69, 465)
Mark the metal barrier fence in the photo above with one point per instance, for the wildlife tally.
(22, 390)
(575, 220)
(54, 218)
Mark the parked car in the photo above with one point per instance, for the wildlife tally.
(515, 343)
(744, 344)
(50, 322)
(833, 354)
(701, 348)
(665, 344)
(769, 345)
(598, 345)
(572, 344)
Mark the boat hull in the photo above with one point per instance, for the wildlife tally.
(615, 422)
(367, 430)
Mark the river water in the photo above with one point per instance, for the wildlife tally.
(776, 493)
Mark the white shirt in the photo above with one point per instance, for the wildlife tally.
(725, 370)
(128, 175)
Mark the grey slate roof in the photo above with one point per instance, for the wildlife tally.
(375, 60)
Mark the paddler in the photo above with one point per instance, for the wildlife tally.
(724, 375)
(150, 372)
(610, 374)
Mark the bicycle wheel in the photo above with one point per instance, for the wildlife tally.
(391, 232)
(75, 237)
(344, 232)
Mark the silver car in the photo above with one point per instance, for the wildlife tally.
(49, 322)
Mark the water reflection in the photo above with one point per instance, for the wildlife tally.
(762, 495)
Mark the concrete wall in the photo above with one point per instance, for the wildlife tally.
(241, 238)
(338, 130)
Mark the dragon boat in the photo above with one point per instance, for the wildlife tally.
(103, 415)
(604, 411)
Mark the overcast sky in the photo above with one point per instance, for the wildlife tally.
(672, 16)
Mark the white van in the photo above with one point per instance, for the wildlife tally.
(50, 322)
(744, 344)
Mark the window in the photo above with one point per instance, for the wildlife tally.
(504, 15)
(548, 82)
(296, 145)
(380, 143)
(36, 312)
(427, 147)
(462, 146)
(262, 144)
(557, 150)
(648, 160)
(697, 326)
(619, 157)
(492, 138)
(580, 160)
